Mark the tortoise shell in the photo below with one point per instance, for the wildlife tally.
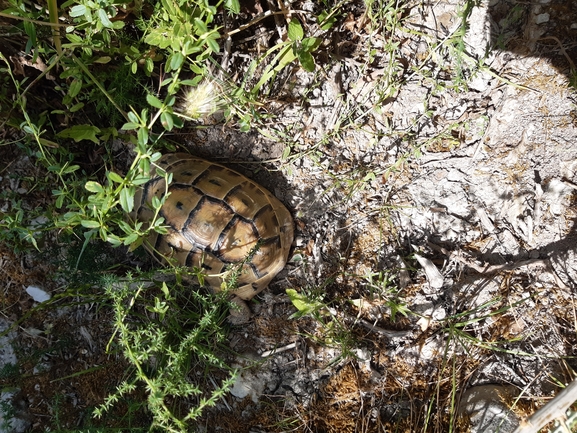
(216, 218)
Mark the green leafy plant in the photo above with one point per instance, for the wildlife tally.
(164, 331)
(334, 332)
(309, 303)
(295, 47)
(464, 344)
(380, 286)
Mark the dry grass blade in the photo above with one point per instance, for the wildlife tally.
(555, 409)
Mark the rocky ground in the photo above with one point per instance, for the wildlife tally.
(451, 195)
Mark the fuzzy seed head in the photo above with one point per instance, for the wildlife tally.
(202, 100)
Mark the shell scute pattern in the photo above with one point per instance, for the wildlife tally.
(215, 218)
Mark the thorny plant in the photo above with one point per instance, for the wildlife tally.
(163, 331)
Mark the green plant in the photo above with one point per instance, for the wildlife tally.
(380, 286)
(295, 47)
(15, 231)
(165, 332)
(7, 413)
(334, 331)
(465, 344)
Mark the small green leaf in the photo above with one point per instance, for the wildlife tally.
(232, 6)
(127, 199)
(244, 123)
(297, 299)
(81, 132)
(104, 19)
(157, 38)
(142, 135)
(125, 227)
(165, 290)
(93, 186)
(89, 224)
(176, 61)
(326, 20)
(129, 126)
(167, 121)
(140, 180)
(30, 29)
(160, 230)
(130, 239)
(213, 45)
(75, 39)
(77, 10)
(114, 240)
(70, 169)
(159, 222)
(153, 101)
(303, 304)
(76, 107)
(148, 67)
(74, 88)
(156, 202)
(201, 27)
(295, 30)
(114, 177)
(310, 44)
(103, 60)
(103, 233)
(136, 244)
(307, 61)
(133, 117)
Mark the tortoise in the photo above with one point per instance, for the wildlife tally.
(217, 218)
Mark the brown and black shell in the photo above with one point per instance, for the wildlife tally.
(216, 218)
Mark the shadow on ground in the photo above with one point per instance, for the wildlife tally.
(546, 29)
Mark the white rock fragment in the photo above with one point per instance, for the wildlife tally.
(250, 384)
(439, 314)
(554, 194)
(424, 323)
(480, 82)
(434, 277)
(486, 222)
(37, 294)
(542, 18)
(432, 348)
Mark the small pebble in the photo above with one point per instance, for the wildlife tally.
(37, 294)
(542, 18)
